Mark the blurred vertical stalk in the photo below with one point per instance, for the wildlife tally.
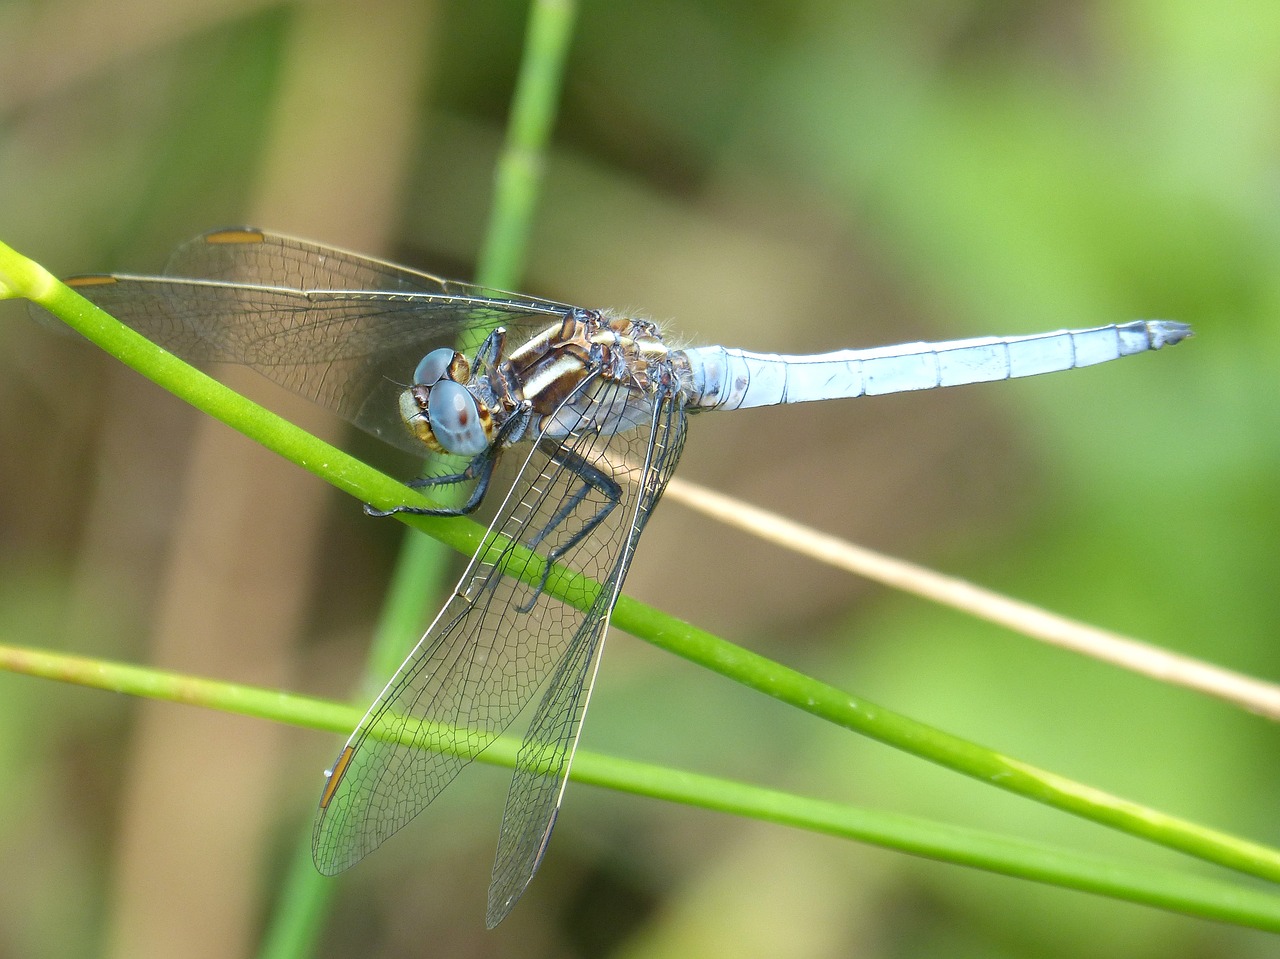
(518, 178)
(240, 577)
(517, 181)
(419, 574)
(334, 164)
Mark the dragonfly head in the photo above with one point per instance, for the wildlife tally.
(441, 412)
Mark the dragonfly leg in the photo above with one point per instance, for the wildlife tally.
(592, 478)
(490, 352)
(479, 469)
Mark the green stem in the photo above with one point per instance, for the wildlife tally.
(940, 747)
(1161, 888)
(419, 571)
(518, 179)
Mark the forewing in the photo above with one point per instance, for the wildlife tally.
(648, 457)
(351, 351)
(493, 646)
(257, 257)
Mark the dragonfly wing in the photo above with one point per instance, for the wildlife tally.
(491, 648)
(542, 764)
(253, 256)
(250, 255)
(351, 351)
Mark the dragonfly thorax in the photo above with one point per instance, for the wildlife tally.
(592, 370)
(577, 371)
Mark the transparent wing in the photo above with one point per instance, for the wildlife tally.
(350, 351)
(305, 316)
(257, 257)
(542, 764)
(502, 634)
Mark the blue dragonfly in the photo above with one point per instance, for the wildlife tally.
(560, 427)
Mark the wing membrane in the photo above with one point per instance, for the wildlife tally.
(499, 637)
(350, 350)
(256, 257)
(542, 764)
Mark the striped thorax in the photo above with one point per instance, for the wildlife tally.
(584, 371)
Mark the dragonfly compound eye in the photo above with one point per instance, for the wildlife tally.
(459, 424)
(432, 367)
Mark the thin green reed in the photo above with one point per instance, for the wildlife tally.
(518, 178)
(1173, 890)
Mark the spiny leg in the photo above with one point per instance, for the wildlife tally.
(479, 469)
(592, 478)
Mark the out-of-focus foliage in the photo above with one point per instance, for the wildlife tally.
(794, 176)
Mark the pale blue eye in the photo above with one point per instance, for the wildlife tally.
(455, 419)
(432, 367)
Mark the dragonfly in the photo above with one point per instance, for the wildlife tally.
(561, 427)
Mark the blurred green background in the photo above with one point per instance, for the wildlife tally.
(782, 175)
